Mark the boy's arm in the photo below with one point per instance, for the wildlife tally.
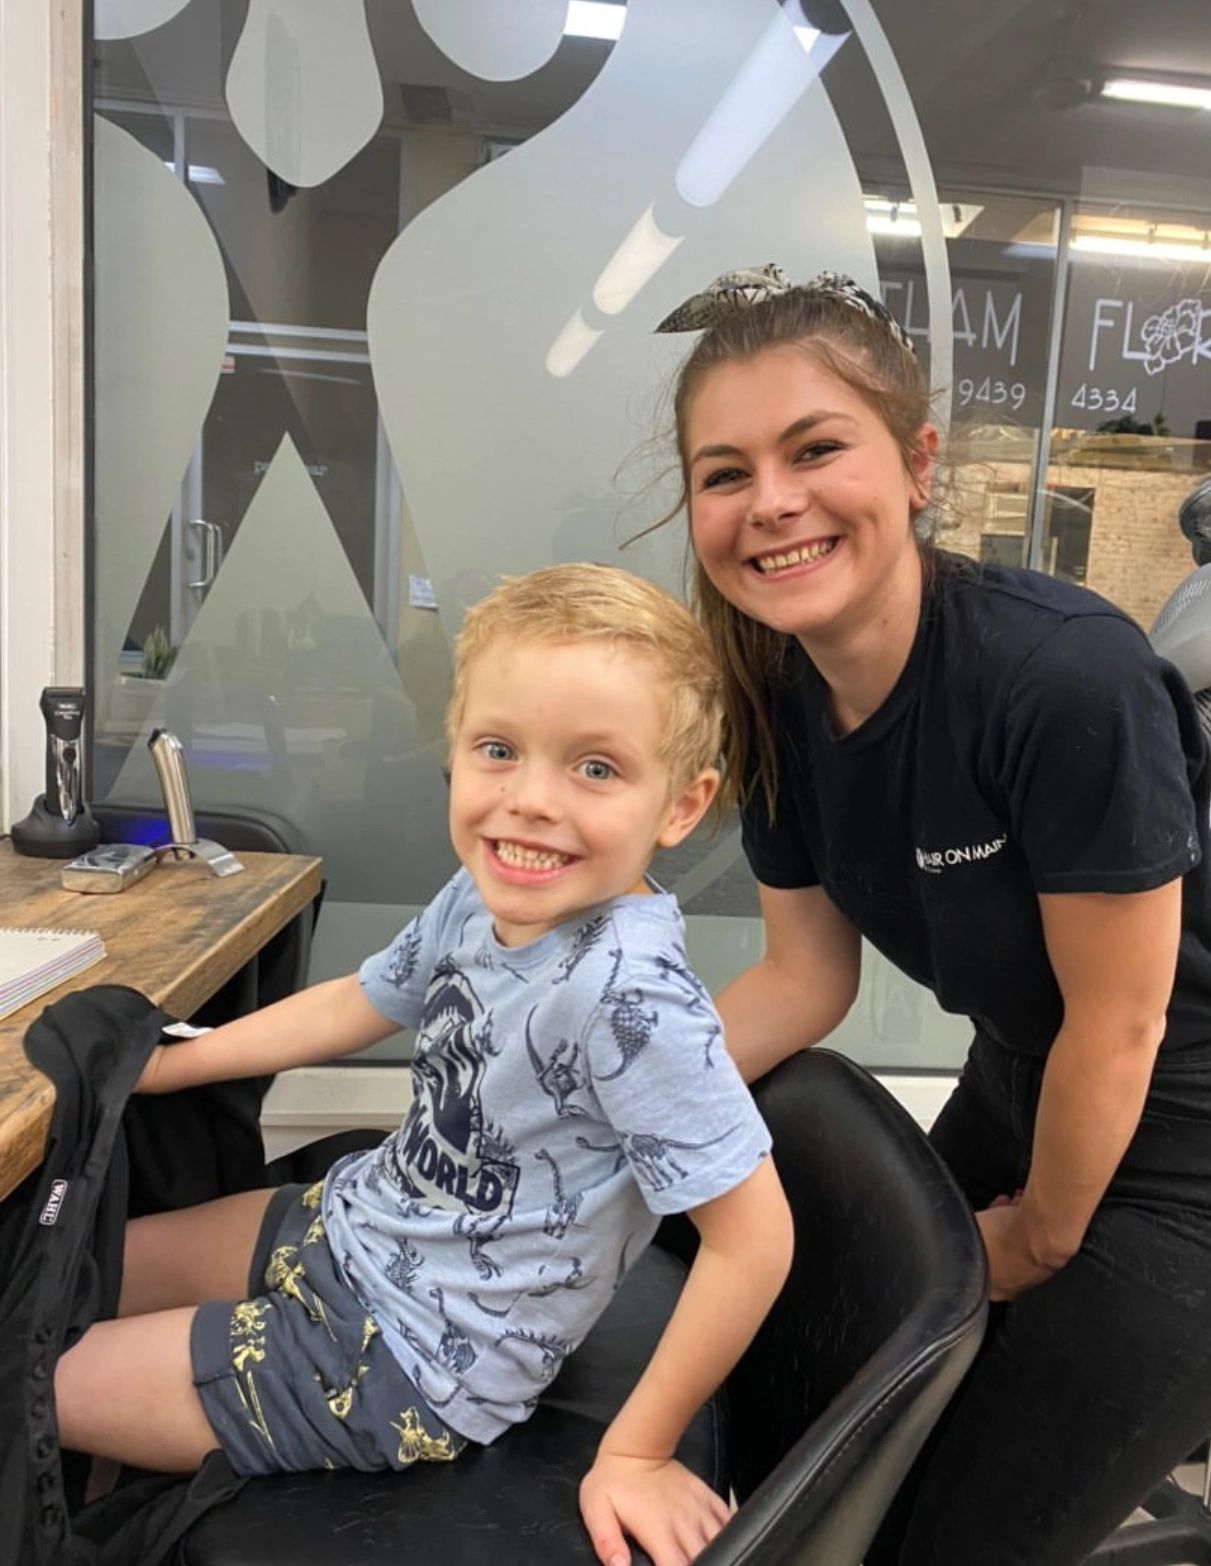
(635, 1485)
(315, 1025)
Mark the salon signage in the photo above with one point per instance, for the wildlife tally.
(1137, 348)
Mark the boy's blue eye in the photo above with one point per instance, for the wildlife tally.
(496, 750)
(598, 771)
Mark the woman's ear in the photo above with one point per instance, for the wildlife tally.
(922, 457)
(688, 808)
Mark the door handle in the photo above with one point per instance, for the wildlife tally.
(212, 551)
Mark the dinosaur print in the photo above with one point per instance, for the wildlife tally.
(583, 942)
(676, 971)
(629, 1023)
(559, 1077)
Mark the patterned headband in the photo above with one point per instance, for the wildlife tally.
(734, 291)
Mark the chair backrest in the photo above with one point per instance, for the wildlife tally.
(881, 1316)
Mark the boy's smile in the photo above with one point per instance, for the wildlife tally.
(558, 794)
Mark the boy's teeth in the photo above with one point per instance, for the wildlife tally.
(530, 858)
(801, 556)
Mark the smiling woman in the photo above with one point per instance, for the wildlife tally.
(989, 775)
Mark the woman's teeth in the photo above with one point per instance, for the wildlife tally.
(530, 858)
(793, 557)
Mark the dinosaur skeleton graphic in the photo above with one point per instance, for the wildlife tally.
(563, 1211)
(559, 1077)
(575, 1279)
(405, 1265)
(405, 955)
(554, 1350)
(629, 1023)
(480, 1231)
(455, 1351)
(583, 942)
(651, 1156)
(676, 971)
(416, 1373)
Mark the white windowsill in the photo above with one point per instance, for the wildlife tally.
(315, 1101)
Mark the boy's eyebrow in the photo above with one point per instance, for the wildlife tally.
(799, 427)
(587, 739)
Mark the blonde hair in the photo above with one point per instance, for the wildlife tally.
(865, 354)
(578, 603)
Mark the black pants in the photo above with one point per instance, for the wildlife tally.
(1093, 1386)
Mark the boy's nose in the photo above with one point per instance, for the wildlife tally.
(533, 795)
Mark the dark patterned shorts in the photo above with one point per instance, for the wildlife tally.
(299, 1376)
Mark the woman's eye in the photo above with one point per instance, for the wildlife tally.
(817, 448)
(598, 771)
(495, 750)
(721, 476)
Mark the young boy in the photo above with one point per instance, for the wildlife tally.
(571, 1084)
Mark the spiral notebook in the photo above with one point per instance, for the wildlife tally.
(35, 961)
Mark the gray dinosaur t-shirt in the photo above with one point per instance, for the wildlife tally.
(566, 1093)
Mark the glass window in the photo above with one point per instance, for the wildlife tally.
(375, 298)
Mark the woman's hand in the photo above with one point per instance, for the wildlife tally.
(664, 1507)
(1012, 1265)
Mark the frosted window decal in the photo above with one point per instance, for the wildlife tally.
(286, 699)
(132, 18)
(478, 36)
(157, 364)
(303, 88)
(913, 150)
(511, 322)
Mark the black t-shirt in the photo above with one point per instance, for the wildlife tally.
(1033, 743)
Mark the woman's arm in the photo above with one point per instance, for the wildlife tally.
(800, 990)
(315, 1025)
(1114, 958)
(747, 1237)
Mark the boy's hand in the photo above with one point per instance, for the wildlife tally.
(147, 1077)
(664, 1507)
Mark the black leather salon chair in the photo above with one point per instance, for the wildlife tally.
(815, 1430)
(1178, 1534)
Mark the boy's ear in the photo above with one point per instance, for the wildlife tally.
(688, 808)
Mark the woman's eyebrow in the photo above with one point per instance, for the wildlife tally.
(799, 427)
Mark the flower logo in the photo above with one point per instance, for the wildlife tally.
(1169, 337)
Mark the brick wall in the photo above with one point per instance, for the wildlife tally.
(1137, 554)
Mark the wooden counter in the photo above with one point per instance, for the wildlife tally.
(178, 936)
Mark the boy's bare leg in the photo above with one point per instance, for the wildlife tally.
(196, 1254)
(125, 1391)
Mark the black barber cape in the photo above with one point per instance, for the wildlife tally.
(61, 1237)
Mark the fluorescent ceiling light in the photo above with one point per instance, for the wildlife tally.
(570, 347)
(594, 19)
(901, 217)
(1149, 249)
(898, 227)
(640, 256)
(199, 173)
(767, 85)
(1177, 95)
